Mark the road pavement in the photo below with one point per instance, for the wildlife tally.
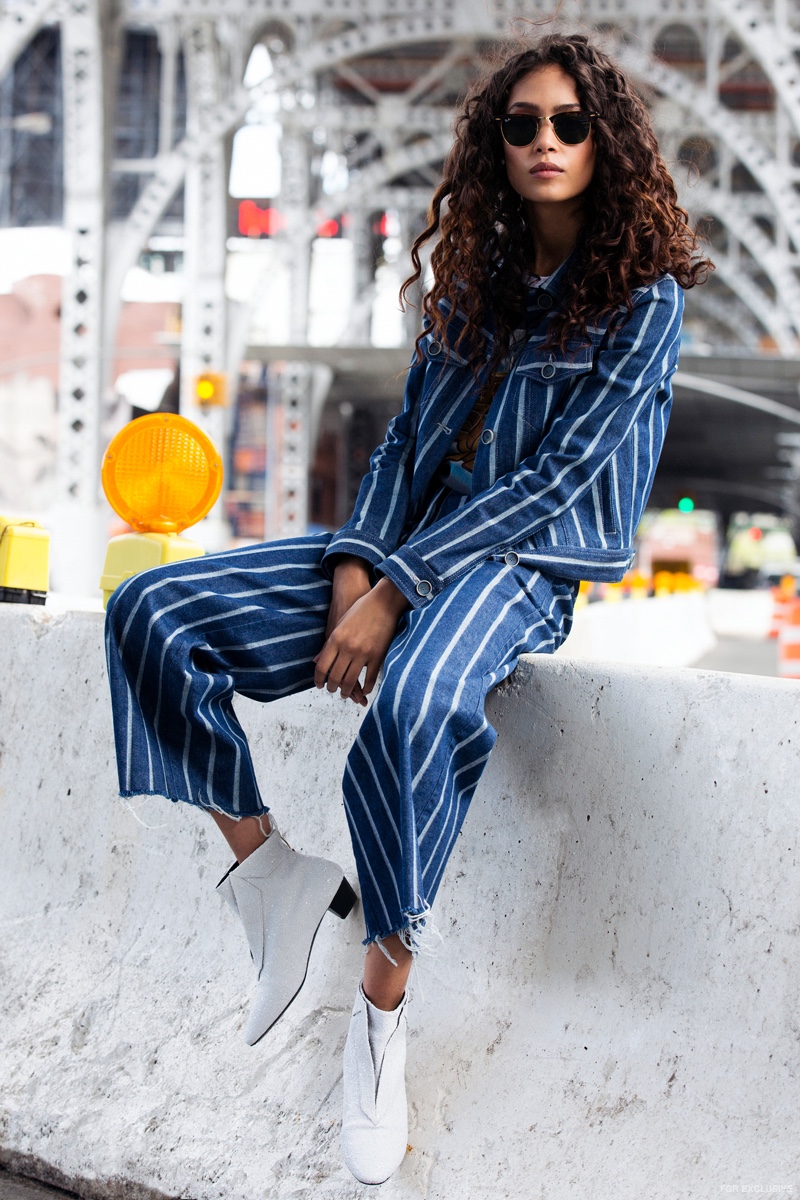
(13, 1187)
(744, 656)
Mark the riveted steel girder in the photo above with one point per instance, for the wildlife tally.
(86, 32)
(785, 315)
(771, 43)
(382, 33)
(19, 21)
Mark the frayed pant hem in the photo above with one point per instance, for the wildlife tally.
(417, 932)
(126, 795)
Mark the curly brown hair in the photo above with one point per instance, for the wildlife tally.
(633, 229)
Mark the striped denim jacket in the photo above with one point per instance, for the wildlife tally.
(566, 461)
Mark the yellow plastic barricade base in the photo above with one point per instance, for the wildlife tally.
(131, 553)
(24, 562)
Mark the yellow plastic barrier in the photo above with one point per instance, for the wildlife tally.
(24, 562)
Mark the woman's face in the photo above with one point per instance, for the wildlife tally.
(548, 171)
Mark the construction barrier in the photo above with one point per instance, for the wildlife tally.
(789, 644)
(783, 600)
(613, 1010)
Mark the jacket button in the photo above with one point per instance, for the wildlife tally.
(548, 371)
(424, 588)
(511, 559)
(487, 437)
(435, 347)
(545, 300)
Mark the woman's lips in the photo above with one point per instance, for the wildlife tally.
(550, 169)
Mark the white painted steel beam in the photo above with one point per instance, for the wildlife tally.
(204, 310)
(20, 20)
(771, 44)
(85, 39)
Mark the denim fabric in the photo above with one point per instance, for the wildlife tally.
(567, 455)
(182, 640)
(566, 461)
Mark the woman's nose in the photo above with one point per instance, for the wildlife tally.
(546, 138)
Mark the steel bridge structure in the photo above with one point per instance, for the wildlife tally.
(373, 82)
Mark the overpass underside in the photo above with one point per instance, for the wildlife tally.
(122, 122)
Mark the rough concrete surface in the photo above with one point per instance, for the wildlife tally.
(613, 1013)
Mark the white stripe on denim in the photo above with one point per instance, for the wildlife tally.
(616, 508)
(460, 746)
(187, 687)
(598, 514)
(273, 641)
(576, 522)
(466, 622)
(349, 771)
(223, 722)
(542, 622)
(440, 855)
(209, 576)
(212, 752)
(361, 746)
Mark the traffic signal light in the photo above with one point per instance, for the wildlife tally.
(210, 390)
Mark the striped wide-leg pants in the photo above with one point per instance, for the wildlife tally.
(182, 640)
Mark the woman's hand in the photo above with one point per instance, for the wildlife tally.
(360, 639)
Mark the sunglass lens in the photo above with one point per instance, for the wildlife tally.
(572, 128)
(519, 129)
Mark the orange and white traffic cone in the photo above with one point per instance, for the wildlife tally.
(783, 598)
(789, 645)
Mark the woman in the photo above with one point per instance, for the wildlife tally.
(534, 414)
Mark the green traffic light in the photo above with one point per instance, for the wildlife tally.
(686, 504)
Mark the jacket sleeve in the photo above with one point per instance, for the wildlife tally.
(381, 508)
(630, 377)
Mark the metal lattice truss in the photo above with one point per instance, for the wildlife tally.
(401, 132)
(375, 81)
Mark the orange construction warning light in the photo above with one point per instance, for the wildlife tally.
(161, 473)
(210, 389)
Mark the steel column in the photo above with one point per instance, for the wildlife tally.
(77, 546)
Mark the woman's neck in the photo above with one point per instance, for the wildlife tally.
(555, 229)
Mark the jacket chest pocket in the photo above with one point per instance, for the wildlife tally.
(553, 365)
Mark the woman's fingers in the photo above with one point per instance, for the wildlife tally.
(349, 680)
(373, 670)
(334, 672)
(337, 668)
(324, 660)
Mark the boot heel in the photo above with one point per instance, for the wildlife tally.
(342, 903)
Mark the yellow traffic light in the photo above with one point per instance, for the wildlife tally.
(210, 389)
(161, 473)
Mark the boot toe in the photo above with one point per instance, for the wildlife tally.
(372, 1154)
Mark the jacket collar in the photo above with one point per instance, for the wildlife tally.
(547, 298)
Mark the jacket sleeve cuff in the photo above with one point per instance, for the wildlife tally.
(346, 543)
(411, 575)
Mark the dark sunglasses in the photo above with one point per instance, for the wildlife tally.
(571, 128)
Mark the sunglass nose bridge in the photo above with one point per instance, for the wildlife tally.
(522, 129)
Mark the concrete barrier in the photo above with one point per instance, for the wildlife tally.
(614, 1011)
(664, 631)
